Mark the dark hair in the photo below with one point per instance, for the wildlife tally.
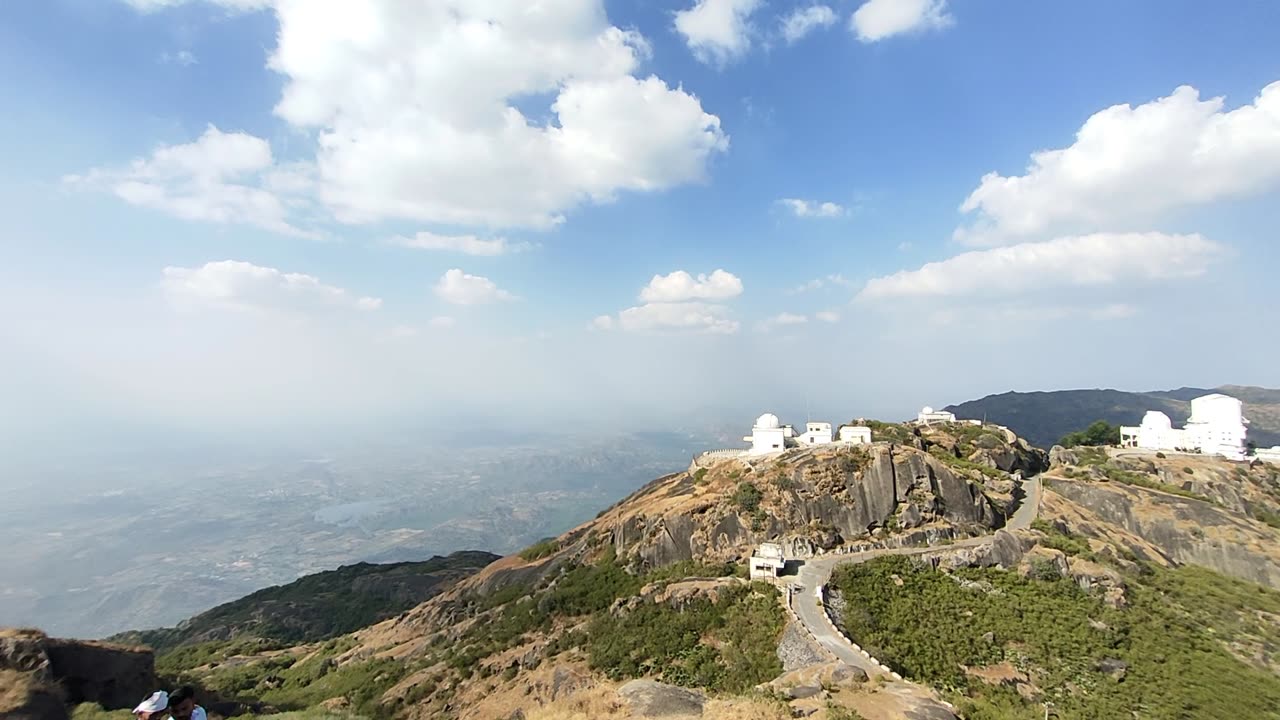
(186, 692)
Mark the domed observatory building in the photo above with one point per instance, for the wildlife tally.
(768, 435)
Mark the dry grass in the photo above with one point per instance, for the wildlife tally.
(602, 703)
(15, 688)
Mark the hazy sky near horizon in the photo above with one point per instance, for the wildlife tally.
(260, 214)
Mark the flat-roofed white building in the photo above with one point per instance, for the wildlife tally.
(767, 561)
(856, 434)
(815, 433)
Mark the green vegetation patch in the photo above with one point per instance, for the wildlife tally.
(1099, 432)
(890, 432)
(1173, 637)
(540, 549)
(747, 497)
(729, 645)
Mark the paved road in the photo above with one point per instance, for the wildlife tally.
(815, 574)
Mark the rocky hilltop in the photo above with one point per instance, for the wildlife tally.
(40, 675)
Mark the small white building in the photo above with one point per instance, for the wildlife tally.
(1268, 455)
(816, 433)
(856, 434)
(767, 436)
(767, 561)
(1216, 427)
(929, 416)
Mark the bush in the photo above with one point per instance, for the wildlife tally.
(700, 475)
(1188, 470)
(1099, 432)
(748, 496)
(1161, 455)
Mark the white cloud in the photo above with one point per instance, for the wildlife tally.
(828, 316)
(238, 285)
(803, 21)
(221, 177)
(879, 19)
(419, 110)
(185, 58)
(833, 280)
(1130, 164)
(812, 208)
(459, 288)
(466, 244)
(693, 316)
(782, 320)
(442, 322)
(601, 322)
(717, 31)
(415, 109)
(680, 286)
(1101, 259)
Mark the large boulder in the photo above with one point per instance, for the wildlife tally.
(652, 699)
(113, 676)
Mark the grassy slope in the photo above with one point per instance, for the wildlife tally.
(1176, 635)
(322, 605)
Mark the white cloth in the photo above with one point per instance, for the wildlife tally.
(158, 701)
(198, 713)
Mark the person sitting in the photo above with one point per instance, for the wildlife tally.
(154, 707)
(182, 704)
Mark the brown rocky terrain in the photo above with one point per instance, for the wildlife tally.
(40, 675)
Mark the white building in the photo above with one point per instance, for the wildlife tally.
(767, 561)
(816, 433)
(1269, 455)
(767, 436)
(1216, 427)
(929, 416)
(856, 434)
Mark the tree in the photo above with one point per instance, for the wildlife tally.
(1100, 432)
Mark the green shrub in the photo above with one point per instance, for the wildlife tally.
(1188, 470)
(1100, 432)
(748, 496)
(700, 475)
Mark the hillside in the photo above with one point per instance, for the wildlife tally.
(1044, 417)
(1147, 584)
(321, 605)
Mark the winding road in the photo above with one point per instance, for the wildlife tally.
(807, 587)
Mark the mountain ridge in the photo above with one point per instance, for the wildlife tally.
(1045, 416)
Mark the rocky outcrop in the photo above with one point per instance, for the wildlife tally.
(796, 650)
(651, 699)
(113, 676)
(1157, 525)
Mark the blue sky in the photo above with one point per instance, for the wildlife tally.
(253, 212)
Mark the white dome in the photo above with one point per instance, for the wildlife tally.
(767, 420)
(927, 410)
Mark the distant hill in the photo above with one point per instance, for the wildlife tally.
(322, 605)
(1044, 417)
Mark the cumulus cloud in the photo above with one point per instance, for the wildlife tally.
(695, 316)
(459, 288)
(466, 244)
(812, 208)
(803, 21)
(239, 285)
(1101, 259)
(1130, 164)
(880, 19)
(680, 286)
(717, 31)
(419, 110)
(782, 320)
(827, 316)
(221, 177)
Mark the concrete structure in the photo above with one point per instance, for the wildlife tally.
(1216, 427)
(767, 436)
(929, 416)
(1269, 455)
(856, 434)
(816, 433)
(767, 561)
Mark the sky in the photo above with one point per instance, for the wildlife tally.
(266, 216)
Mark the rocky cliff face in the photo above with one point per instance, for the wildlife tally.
(114, 676)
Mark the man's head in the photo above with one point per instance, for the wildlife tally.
(154, 707)
(181, 702)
